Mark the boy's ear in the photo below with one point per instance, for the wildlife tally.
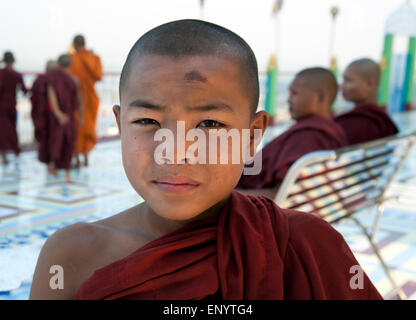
(371, 82)
(259, 121)
(321, 96)
(116, 110)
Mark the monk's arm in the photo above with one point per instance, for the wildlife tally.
(22, 86)
(53, 100)
(93, 65)
(80, 102)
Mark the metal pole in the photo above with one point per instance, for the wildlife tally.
(334, 13)
(201, 9)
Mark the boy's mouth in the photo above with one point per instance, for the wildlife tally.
(175, 184)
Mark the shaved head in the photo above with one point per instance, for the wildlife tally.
(64, 61)
(79, 41)
(187, 38)
(320, 78)
(367, 69)
(50, 65)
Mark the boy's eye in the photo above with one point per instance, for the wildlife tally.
(146, 121)
(211, 124)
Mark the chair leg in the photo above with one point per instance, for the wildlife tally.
(380, 209)
(386, 269)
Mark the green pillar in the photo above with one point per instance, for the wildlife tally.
(271, 87)
(383, 91)
(410, 70)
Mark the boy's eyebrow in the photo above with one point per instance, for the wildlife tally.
(208, 107)
(147, 105)
(213, 106)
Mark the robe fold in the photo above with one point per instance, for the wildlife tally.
(307, 135)
(10, 80)
(366, 123)
(87, 67)
(61, 140)
(252, 250)
(40, 116)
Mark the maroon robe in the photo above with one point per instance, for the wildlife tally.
(10, 80)
(307, 135)
(40, 116)
(61, 142)
(366, 123)
(252, 250)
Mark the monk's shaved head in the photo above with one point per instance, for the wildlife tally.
(367, 69)
(79, 41)
(50, 65)
(320, 78)
(64, 61)
(186, 38)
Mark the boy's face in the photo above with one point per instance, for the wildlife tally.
(205, 93)
(303, 100)
(355, 87)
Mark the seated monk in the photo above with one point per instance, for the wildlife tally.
(193, 237)
(367, 121)
(311, 95)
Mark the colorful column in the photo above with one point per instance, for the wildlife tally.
(383, 92)
(271, 89)
(410, 67)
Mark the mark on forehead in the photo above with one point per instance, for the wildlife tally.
(195, 76)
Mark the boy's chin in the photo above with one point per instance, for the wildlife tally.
(178, 214)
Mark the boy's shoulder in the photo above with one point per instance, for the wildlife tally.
(80, 249)
(84, 241)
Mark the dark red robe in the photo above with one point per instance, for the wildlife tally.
(252, 250)
(366, 123)
(40, 116)
(10, 80)
(61, 142)
(307, 135)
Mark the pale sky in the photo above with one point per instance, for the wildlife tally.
(39, 30)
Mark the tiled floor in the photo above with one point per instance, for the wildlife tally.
(33, 206)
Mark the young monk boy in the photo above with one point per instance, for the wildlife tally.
(311, 95)
(64, 99)
(367, 121)
(10, 81)
(194, 237)
(40, 112)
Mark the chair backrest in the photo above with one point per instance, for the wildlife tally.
(338, 183)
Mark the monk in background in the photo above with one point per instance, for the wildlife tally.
(40, 113)
(311, 95)
(367, 121)
(64, 100)
(10, 81)
(194, 237)
(86, 66)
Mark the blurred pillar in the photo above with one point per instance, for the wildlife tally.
(385, 65)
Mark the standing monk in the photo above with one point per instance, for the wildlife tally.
(10, 80)
(40, 112)
(64, 100)
(86, 66)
